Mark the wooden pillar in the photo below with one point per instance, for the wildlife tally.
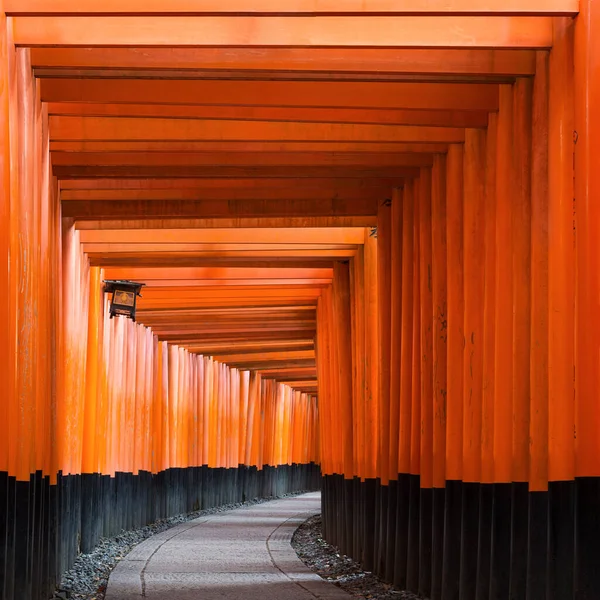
(5, 196)
(357, 285)
(561, 291)
(426, 372)
(503, 411)
(488, 367)
(372, 357)
(521, 323)
(341, 306)
(384, 235)
(413, 553)
(587, 335)
(440, 375)
(395, 361)
(537, 572)
(95, 323)
(406, 383)
(454, 386)
(474, 257)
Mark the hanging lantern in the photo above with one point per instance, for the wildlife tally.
(124, 296)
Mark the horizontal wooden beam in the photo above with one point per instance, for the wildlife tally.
(108, 258)
(292, 7)
(300, 383)
(217, 273)
(300, 31)
(203, 159)
(217, 209)
(222, 249)
(226, 194)
(258, 223)
(274, 235)
(242, 321)
(169, 294)
(186, 339)
(111, 128)
(266, 356)
(183, 146)
(162, 261)
(251, 346)
(243, 75)
(294, 60)
(262, 172)
(316, 94)
(198, 329)
(76, 185)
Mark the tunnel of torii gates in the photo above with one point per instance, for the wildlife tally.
(370, 237)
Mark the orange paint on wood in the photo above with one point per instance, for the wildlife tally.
(395, 327)
(330, 60)
(315, 114)
(334, 7)
(408, 96)
(474, 262)
(587, 223)
(455, 297)
(440, 317)
(426, 342)
(539, 353)
(489, 307)
(521, 273)
(302, 31)
(561, 257)
(406, 334)
(384, 257)
(503, 382)
(415, 434)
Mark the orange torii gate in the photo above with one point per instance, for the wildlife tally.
(368, 233)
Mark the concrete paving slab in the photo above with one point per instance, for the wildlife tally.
(240, 554)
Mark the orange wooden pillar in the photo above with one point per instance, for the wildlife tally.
(587, 324)
(413, 537)
(537, 571)
(357, 286)
(395, 327)
(94, 353)
(384, 259)
(371, 408)
(372, 357)
(488, 364)
(503, 392)
(474, 260)
(561, 291)
(5, 197)
(342, 310)
(440, 376)
(343, 340)
(426, 378)
(521, 356)
(405, 383)
(454, 386)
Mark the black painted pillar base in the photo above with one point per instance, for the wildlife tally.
(43, 527)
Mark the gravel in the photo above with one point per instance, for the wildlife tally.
(341, 570)
(88, 578)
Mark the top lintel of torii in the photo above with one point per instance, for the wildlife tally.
(294, 7)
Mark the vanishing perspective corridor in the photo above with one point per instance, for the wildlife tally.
(256, 247)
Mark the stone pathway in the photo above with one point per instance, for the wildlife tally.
(239, 554)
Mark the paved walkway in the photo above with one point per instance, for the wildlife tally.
(239, 554)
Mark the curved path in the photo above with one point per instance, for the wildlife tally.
(239, 554)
